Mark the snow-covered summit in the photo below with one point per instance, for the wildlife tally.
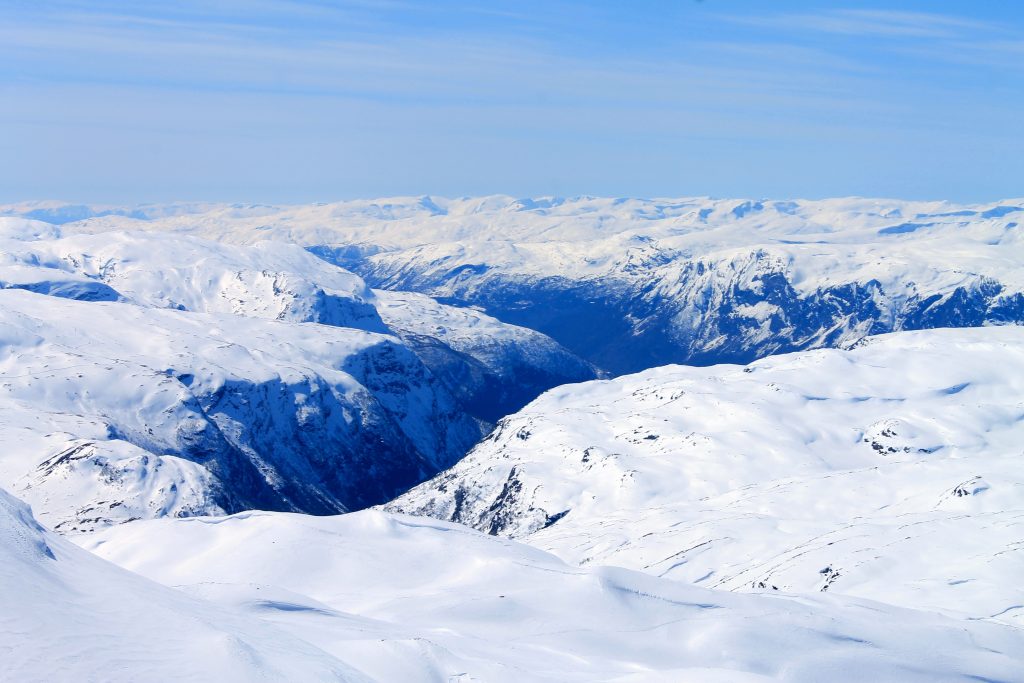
(266, 280)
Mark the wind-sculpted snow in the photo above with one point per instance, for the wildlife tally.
(631, 283)
(412, 599)
(70, 616)
(893, 471)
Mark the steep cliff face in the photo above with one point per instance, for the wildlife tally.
(116, 411)
(659, 305)
(493, 368)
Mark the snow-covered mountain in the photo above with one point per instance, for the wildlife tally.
(630, 284)
(893, 471)
(148, 375)
(412, 599)
(493, 368)
(112, 411)
(850, 513)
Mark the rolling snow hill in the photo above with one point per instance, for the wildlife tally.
(412, 599)
(630, 284)
(70, 616)
(893, 471)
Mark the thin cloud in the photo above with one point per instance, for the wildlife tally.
(877, 23)
(230, 79)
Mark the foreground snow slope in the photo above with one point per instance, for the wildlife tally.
(412, 599)
(70, 616)
(635, 283)
(893, 471)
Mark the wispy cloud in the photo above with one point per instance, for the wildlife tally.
(488, 69)
(863, 22)
(450, 87)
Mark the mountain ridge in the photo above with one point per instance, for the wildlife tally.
(149, 375)
(691, 280)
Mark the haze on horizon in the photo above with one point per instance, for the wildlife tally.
(292, 101)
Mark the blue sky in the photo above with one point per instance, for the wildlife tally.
(290, 101)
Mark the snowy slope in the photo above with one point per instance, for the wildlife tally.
(633, 283)
(892, 471)
(491, 368)
(96, 396)
(826, 515)
(70, 616)
(409, 599)
(267, 280)
(168, 375)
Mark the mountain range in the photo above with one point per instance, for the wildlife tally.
(500, 439)
(629, 284)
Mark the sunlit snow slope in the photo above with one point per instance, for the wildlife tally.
(411, 599)
(69, 616)
(893, 471)
(850, 511)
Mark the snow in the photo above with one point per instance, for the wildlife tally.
(891, 471)
(412, 599)
(267, 280)
(499, 346)
(663, 280)
(588, 235)
(168, 375)
(850, 513)
(70, 616)
(123, 387)
(283, 282)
